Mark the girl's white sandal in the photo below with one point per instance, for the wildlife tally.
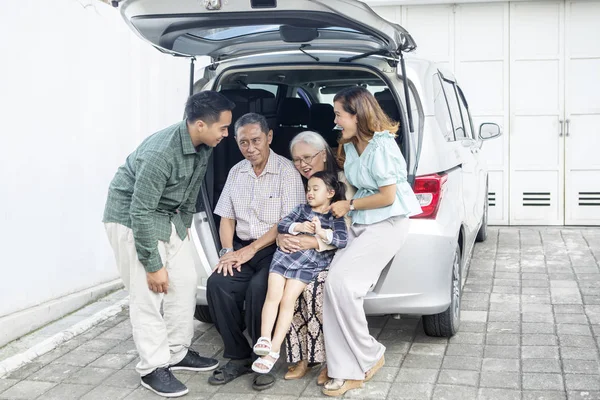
(262, 346)
(265, 363)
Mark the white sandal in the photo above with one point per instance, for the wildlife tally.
(265, 363)
(264, 348)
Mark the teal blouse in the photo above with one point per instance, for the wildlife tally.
(380, 164)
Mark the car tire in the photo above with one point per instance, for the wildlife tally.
(482, 234)
(445, 324)
(202, 314)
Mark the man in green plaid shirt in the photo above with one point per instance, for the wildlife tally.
(151, 201)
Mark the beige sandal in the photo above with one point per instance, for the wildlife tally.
(337, 387)
(323, 377)
(297, 370)
(369, 374)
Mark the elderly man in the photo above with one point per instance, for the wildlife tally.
(259, 191)
(147, 217)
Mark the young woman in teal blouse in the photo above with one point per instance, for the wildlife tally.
(384, 200)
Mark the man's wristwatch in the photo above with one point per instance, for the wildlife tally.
(224, 251)
(352, 205)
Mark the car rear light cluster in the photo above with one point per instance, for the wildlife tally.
(428, 189)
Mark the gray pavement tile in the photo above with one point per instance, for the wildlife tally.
(54, 373)
(417, 375)
(577, 353)
(237, 396)
(412, 391)
(465, 350)
(534, 291)
(547, 318)
(573, 329)
(428, 349)
(536, 328)
(502, 352)
(392, 346)
(476, 297)
(563, 283)
(473, 316)
(581, 367)
(5, 383)
(473, 306)
(582, 382)
(90, 376)
(26, 370)
(371, 390)
(262, 396)
(500, 365)
(498, 394)
(539, 352)
(107, 393)
(543, 395)
(504, 327)
(541, 365)
(505, 298)
(66, 391)
(78, 357)
(503, 339)
(99, 345)
(539, 340)
(467, 338)
(145, 394)
(385, 374)
(506, 289)
(27, 390)
(503, 316)
(293, 387)
(583, 395)
(125, 378)
(452, 392)
(476, 327)
(500, 380)
(113, 361)
(535, 299)
(393, 359)
(542, 381)
(462, 363)
(505, 307)
(421, 361)
(58, 352)
(577, 341)
(563, 295)
(458, 377)
(571, 319)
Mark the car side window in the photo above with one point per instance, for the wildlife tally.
(455, 113)
(442, 112)
(464, 108)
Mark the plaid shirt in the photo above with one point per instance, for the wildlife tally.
(158, 185)
(259, 202)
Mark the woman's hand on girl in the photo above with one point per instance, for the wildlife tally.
(340, 208)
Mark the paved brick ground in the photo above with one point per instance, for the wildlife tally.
(531, 321)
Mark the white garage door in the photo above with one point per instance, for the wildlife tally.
(533, 68)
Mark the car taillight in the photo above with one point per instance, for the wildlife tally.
(428, 189)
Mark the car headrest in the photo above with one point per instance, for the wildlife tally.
(388, 104)
(292, 112)
(321, 117)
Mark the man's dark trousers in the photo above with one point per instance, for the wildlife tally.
(226, 298)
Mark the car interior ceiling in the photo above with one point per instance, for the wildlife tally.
(287, 113)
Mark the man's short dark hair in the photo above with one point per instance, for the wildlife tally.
(250, 119)
(207, 106)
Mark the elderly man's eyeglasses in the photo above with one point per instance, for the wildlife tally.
(306, 159)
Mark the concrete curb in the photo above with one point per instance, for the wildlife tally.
(17, 361)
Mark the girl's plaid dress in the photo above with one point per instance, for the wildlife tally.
(304, 265)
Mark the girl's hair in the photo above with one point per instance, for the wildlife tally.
(332, 182)
(358, 101)
(316, 141)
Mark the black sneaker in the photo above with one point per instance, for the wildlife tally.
(162, 382)
(195, 362)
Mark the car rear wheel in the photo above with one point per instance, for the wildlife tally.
(482, 234)
(202, 314)
(445, 324)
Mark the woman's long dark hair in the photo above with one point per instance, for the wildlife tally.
(332, 182)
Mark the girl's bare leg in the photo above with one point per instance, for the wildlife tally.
(269, 311)
(293, 290)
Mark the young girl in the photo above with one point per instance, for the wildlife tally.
(291, 272)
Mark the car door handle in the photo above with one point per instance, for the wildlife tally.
(474, 150)
(568, 123)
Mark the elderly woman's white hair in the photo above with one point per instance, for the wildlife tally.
(317, 142)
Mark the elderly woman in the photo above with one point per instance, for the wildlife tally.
(304, 342)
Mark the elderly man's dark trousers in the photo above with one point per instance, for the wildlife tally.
(236, 302)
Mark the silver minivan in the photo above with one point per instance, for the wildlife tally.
(286, 60)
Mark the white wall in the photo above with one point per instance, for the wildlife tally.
(78, 92)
